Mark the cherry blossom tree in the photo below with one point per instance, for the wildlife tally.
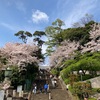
(94, 44)
(21, 54)
(63, 52)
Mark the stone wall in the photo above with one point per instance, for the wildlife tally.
(95, 82)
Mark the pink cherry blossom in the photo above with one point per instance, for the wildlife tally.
(94, 44)
(18, 53)
(65, 51)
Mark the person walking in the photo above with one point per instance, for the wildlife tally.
(55, 82)
(46, 87)
(34, 88)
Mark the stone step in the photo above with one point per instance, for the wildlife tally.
(40, 96)
(59, 94)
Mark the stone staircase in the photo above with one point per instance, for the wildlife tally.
(40, 96)
(60, 94)
(56, 94)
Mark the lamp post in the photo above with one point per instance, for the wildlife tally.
(80, 72)
(8, 72)
(7, 81)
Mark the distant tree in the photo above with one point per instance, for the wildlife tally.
(83, 21)
(38, 35)
(53, 35)
(55, 28)
(80, 34)
(23, 35)
(86, 19)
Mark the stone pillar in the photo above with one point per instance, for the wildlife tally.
(49, 96)
(7, 92)
(29, 96)
(21, 94)
(14, 93)
(9, 98)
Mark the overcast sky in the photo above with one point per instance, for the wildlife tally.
(32, 15)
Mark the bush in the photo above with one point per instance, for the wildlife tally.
(92, 99)
(98, 90)
(66, 81)
(82, 89)
(95, 90)
(55, 72)
(86, 77)
(71, 90)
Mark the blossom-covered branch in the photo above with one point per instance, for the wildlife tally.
(17, 53)
(65, 51)
(94, 44)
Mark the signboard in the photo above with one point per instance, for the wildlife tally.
(19, 88)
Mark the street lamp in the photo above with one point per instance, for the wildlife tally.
(8, 73)
(80, 72)
(7, 81)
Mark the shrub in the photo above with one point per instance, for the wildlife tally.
(55, 72)
(82, 89)
(95, 90)
(92, 99)
(98, 90)
(66, 81)
(85, 77)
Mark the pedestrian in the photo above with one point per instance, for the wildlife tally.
(50, 76)
(67, 86)
(55, 82)
(46, 87)
(34, 88)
